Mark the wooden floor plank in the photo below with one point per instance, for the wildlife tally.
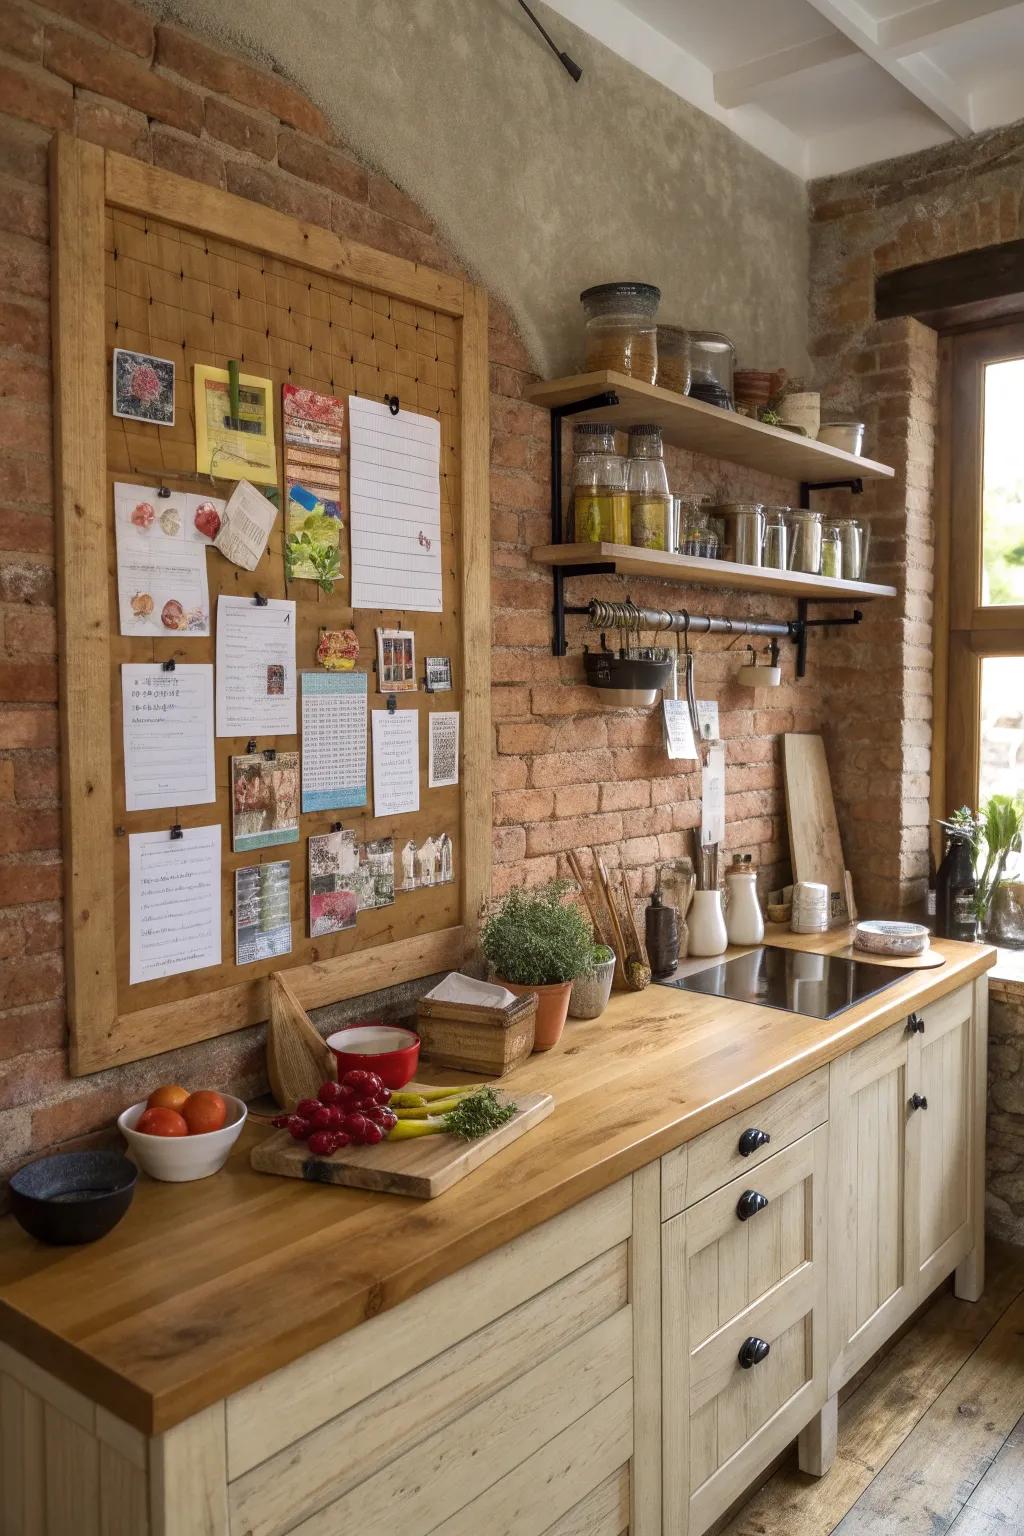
(996, 1507)
(924, 1486)
(874, 1421)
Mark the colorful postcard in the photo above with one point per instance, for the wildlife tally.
(234, 447)
(263, 917)
(431, 862)
(161, 560)
(143, 388)
(396, 661)
(333, 883)
(338, 650)
(313, 426)
(264, 800)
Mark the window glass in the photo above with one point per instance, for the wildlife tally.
(1002, 727)
(1002, 575)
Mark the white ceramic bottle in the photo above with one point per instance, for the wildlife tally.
(707, 924)
(743, 921)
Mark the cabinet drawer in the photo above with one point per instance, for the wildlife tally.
(709, 1161)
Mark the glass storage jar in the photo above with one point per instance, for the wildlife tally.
(674, 358)
(712, 363)
(804, 541)
(650, 509)
(621, 332)
(831, 552)
(599, 497)
(743, 524)
(697, 534)
(776, 539)
(853, 537)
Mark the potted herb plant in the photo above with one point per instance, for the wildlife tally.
(535, 941)
(589, 996)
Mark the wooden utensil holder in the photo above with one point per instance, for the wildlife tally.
(474, 1038)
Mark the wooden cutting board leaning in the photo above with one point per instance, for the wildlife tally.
(814, 845)
(423, 1168)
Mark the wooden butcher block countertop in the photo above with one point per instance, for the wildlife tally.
(206, 1287)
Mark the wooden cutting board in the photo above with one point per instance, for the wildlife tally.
(929, 961)
(423, 1167)
(814, 845)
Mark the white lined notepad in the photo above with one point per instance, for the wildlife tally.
(395, 494)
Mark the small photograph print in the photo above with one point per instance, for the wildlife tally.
(334, 883)
(338, 650)
(275, 680)
(443, 759)
(376, 874)
(143, 388)
(263, 919)
(431, 862)
(396, 661)
(264, 800)
(439, 674)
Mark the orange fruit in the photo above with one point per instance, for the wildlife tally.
(169, 1096)
(161, 1122)
(204, 1111)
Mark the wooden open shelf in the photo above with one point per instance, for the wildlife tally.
(627, 561)
(701, 428)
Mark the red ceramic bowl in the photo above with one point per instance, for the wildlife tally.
(392, 1053)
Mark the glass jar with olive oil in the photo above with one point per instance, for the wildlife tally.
(599, 496)
(650, 504)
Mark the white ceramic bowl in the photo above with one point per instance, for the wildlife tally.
(881, 938)
(178, 1159)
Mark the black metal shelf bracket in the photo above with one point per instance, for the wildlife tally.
(854, 486)
(607, 397)
(801, 624)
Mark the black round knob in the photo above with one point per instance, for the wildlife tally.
(753, 1351)
(749, 1203)
(918, 1101)
(915, 1024)
(752, 1140)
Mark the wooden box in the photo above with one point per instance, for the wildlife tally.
(475, 1038)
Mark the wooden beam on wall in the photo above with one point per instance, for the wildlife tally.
(955, 289)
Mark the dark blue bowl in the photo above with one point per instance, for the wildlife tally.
(73, 1197)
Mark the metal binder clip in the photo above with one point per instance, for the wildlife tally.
(176, 832)
(335, 826)
(260, 600)
(270, 754)
(393, 404)
(168, 665)
(250, 746)
(164, 490)
(392, 703)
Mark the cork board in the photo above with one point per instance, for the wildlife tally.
(302, 307)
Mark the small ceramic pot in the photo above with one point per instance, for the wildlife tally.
(589, 995)
(552, 1008)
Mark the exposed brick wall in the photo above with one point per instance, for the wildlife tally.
(958, 197)
(565, 772)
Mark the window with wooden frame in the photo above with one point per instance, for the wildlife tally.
(979, 614)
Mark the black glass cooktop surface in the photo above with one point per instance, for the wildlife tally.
(819, 986)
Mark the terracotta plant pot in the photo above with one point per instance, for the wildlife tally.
(552, 1008)
(590, 994)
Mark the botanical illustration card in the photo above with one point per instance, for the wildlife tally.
(161, 560)
(143, 388)
(263, 918)
(313, 445)
(431, 862)
(396, 661)
(264, 800)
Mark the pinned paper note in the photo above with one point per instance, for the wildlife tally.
(161, 560)
(678, 730)
(248, 519)
(333, 740)
(443, 754)
(168, 735)
(712, 803)
(396, 762)
(174, 899)
(395, 494)
(255, 667)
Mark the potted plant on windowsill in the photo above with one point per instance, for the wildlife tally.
(535, 941)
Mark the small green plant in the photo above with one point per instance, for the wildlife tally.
(993, 835)
(602, 954)
(535, 938)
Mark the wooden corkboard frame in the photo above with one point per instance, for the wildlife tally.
(86, 184)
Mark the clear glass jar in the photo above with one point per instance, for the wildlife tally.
(831, 552)
(621, 332)
(649, 496)
(674, 358)
(804, 541)
(712, 363)
(743, 524)
(599, 497)
(853, 538)
(697, 534)
(776, 539)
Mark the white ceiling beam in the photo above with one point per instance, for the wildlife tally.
(927, 24)
(737, 86)
(918, 75)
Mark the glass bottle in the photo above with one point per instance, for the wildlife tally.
(649, 497)
(956, 889)
(599, 496)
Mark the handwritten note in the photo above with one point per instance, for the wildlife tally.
(174, 889)
(395, 494)
(333, 740)
(396, 762)
(255, 667)
(168, 735)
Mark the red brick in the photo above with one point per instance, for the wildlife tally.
(276, 190)
(508, 773)
(32, 1029)
(573, 832)
(26, 425)
(326, 167)
(577, 800)
(508, 844)
(522, 805)
(28, 728)
(126, 25)
(625, 797)
(31, 981)
(110, 72)
(31, 630)
(26, 478)
(43, 929)
(37, 778)
(59, 1122)
(21, 31)
(186, 156)
(386, 198)
(28, 681)
(115, 127)
(26, 1079)
(21, 831)
(25, 328)
(35, 96)
(6, 780)
(184, 54)
(22, 881)
(243, 130)
(557, 768)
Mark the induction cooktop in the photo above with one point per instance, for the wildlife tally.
(819, 986)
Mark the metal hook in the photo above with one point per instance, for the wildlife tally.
(270, 754)
(335, 826)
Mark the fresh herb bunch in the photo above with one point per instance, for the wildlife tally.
(477, 1114)
(535, 938)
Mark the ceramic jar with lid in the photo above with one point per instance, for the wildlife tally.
(621, 329)
(650, 502)
(599, 496)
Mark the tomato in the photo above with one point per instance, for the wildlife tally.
(162, 1122)
(169, 1096)
(204, 1111)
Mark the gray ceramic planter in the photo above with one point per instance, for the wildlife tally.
(589, 996)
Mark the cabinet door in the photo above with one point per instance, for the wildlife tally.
(872, 1271)
(940, 1135)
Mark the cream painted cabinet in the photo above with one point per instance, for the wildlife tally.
(939, 1134)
